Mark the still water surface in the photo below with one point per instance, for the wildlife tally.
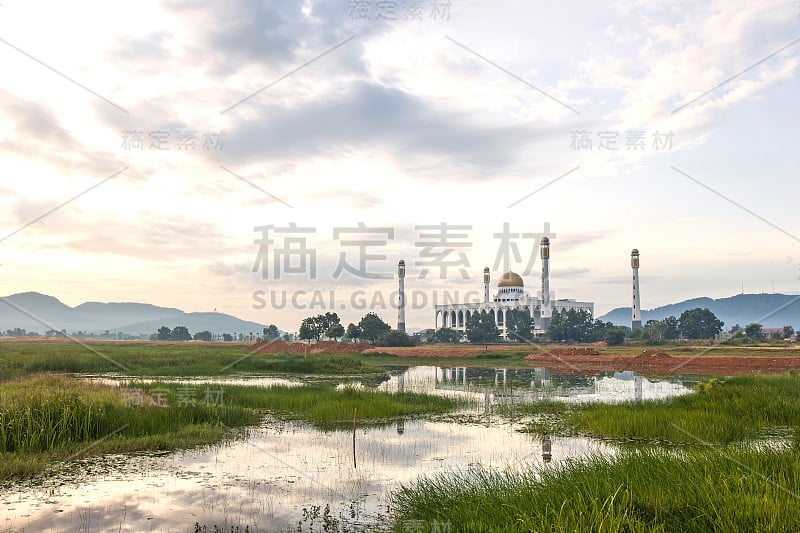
(265, 476)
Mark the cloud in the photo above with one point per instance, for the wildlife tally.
(367, 116)
(37, 134)
(276, 34)
(571, 272)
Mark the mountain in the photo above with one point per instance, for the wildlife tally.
(194, 322)
(39, 312)
(769, 310)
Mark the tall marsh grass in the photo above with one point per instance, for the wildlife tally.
(45, 418)
(721, 411)
(730, 490)
(327, 407)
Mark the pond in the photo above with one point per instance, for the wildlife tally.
(267, 475)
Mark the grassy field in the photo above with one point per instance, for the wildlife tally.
(720, 412)
(729, 490)
(194, 359)
(48, 418)
(144, 359)
(322, 406)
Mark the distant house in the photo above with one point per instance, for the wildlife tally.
(769, 332)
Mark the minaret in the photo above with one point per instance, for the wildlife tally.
(545, 249)
(636, 308)
(401, 308)
(486, 285)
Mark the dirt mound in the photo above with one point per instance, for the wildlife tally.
(339, 347)
(572, 351)
(301, 348)
(653, 355)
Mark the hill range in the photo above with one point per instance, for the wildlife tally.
(769, 310)
(37, 312)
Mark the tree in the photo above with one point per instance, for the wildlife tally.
(614, 336)
(181, 333)
(397, 338)
(572, 325)
(335, 331)
(699, 324)
(227, 337)
(271, 332)
(373, 328)
(754, 332)
(308, 330)
(788, 331)
(353, 332)
(314, 327)
(672, 328)
(654, 331)
(447, 336)
(203, 336)
(481, 328)
(164, 333)
(519, 325)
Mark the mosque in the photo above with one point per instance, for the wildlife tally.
(511, 294)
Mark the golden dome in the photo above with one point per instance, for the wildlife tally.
(634, 252)
(510, 279)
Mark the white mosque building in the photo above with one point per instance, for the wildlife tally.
(510, 294)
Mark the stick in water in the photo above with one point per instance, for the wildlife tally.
(355, 409)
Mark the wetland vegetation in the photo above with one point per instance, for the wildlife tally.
(180, 359)
(726, 458)
(722, 411)
(46, 418)
(731, 490)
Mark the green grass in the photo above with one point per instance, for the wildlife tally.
(142, 359)
(47, 418)
(721, 411)
(324, 406)
(729, 490)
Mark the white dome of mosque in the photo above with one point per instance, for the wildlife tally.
(510, 279)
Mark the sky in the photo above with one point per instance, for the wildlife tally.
(274, 160)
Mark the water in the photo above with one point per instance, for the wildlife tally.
(268, 474)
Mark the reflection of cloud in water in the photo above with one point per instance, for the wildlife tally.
(265, 478)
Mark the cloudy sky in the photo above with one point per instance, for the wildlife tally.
(146, 148)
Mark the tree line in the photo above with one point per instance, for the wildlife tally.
(371, 328)
(578, 326)
(181, 333)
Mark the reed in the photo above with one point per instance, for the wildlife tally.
(734, 489)
(720, 412)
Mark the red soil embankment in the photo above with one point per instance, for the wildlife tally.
(301, 348)
(660, 362)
